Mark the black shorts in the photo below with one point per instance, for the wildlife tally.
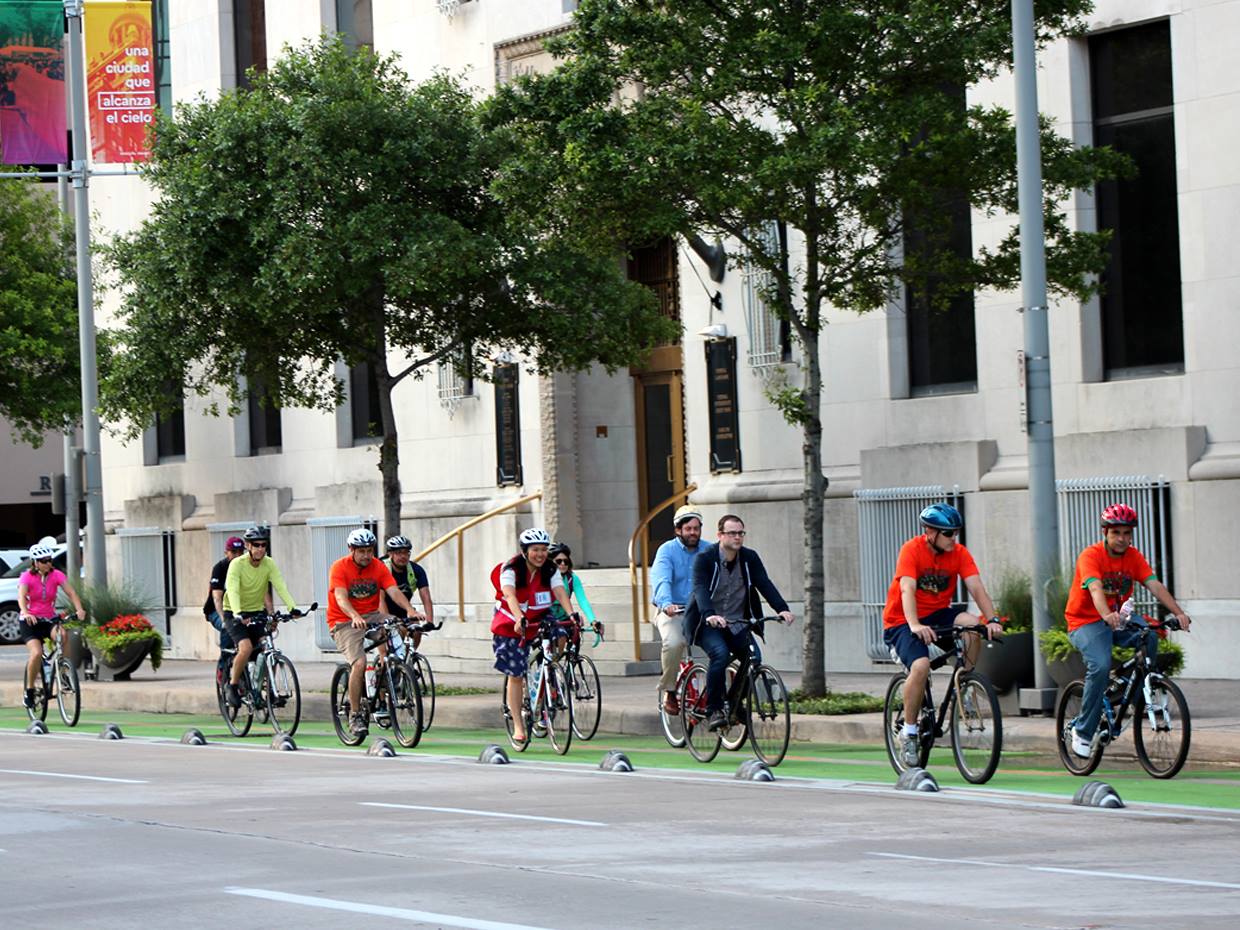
(909, 648)
(40, 630)
(239, 629)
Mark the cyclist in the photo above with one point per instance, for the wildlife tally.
(727, 579)
(525, 588)
(562, 557)
(919, 609)
(671, 576)
(358, 582)
(410, 577)
(213, 609)
(36, 602)
(1104, 578)
(247, 594)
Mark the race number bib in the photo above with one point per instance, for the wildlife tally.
(542, 598)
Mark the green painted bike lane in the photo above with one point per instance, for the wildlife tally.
(1196, 786)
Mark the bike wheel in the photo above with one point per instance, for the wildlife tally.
(518, 745)
(733, 736)
(976, 727)
(673, 724)
(39, 710)
(770, 725)
(703, 743)
(238, 719)
(405, 701)
(421, 667)
(342, 709)
(1162, 728)
(282, 692)
(587, 697)
(556, 701)
(68, 696)
(1066, 710)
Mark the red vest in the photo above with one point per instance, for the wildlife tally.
(535, 598)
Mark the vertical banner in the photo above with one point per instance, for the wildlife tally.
(120, 80)
(32, 82)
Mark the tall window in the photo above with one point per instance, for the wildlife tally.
(942, 344)
(163, 56)
(655, 267)
(456, 379)
(1142, 322)
(266, 431)
(355, 21)
(249, 38)
(770, 336)
(170, 434)
(364, 402)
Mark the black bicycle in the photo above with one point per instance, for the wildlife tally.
(393, 697)
(269, 687)
(756, 706)
(57, 678)
(547, 701)
(420, 665)
(583, 681)
(1162, 727)
(970, 711)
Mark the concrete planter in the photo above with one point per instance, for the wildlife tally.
(123, 662)
(1008, 664)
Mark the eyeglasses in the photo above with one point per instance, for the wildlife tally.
(739, 534)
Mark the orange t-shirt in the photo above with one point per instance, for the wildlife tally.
(935, 575)
(363, 585)
(1117, 574)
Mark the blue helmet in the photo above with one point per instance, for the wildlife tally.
(942, 517)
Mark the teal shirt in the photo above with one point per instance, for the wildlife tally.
(576, 594)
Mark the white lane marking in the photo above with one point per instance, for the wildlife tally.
(120, 781)
(1093, 873)
(400, 913)
(473, 813)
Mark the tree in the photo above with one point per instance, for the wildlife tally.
(39, 381)
(332, 212)
(846, 121)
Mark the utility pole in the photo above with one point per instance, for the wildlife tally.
(73, 492)
(1043, 511)
(75, 68)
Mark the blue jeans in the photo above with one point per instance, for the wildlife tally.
(720, 646)
(226, 641)
(1094, 640)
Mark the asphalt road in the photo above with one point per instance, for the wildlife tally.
(152, 833)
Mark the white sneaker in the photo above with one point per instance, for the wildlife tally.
(1081, 746)
(910, 751)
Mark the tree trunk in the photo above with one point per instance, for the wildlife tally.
(389, 458)
(813, 672)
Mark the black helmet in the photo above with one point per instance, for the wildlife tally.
(257, 534)
(559, 549)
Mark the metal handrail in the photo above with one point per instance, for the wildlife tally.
(638, 612)
(459, 533)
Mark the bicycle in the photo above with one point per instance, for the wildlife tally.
(1162, 728)
(58, 678)
(269, 685)
(420, 665)
(392, 700)
(583, 681)
(757, 708)
(731, 739)
(547, 704)
(970, 710)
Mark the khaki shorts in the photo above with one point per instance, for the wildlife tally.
(349, 638)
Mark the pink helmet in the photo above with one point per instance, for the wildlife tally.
(1119, 515)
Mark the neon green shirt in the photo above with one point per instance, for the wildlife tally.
(246, 585)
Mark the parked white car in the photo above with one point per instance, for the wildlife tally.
(10, 617)
(10, 557)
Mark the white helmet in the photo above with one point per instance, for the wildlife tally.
(534, 536)
(362, 537)
(41, 550)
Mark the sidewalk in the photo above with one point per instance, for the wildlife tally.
(187, 687)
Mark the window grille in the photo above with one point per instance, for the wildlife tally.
(148, 565)
(454, 384)
(329, 541)
(763, 325)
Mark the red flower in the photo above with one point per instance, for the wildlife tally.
(130, 623)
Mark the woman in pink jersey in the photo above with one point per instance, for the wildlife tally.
(36, 599)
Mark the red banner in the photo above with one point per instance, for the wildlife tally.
(120, 80)
(32, 83)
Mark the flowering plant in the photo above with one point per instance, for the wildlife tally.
(127, 629)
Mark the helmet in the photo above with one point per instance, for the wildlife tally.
(361, 538)
(399, 542)
(560, 549)
(257, 534)
(234, 542)
(534, 536)
(1119, 515)
(685, 514)
(41, 550)
(942, 517)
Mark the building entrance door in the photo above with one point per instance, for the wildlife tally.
(660, 449)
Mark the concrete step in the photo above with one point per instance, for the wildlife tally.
(619, 629)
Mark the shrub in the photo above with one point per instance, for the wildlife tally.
(106, 602)
(1015, 602)
(107, 638)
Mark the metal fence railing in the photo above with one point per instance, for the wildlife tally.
(218, 534)
(148, 565)
(886, 519)
(1081, 501)
(328, 542)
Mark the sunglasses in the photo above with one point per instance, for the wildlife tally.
(948, 533)
(42, 561)
(258, 545)
(562, 561)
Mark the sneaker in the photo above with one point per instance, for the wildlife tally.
(1081, 746)
(716, 721)
(671, 704)
(28, 698)
(910, 751)
(232, 694)
(357, 725)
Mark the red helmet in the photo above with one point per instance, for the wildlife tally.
(1119, 515)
